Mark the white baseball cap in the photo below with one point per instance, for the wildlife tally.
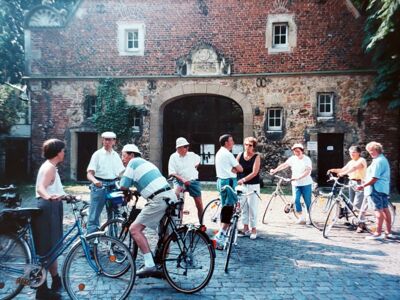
(298, 145)
(131, 148)
(181, 141)
(108, 135)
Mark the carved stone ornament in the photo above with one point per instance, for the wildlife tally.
(280, 6)
(203, 60)
(45, 16)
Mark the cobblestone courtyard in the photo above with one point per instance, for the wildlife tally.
(289, 261)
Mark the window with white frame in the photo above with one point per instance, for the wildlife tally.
(325, 104)
(274, 119)
(280, 35)
(136, 124)
(131, 39)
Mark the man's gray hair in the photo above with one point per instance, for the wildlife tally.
(375, 145)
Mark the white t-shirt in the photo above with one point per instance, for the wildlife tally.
(224, 162)
(298, 167)
(106, 165)
(184, 166)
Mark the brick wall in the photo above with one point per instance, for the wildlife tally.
(328, 37)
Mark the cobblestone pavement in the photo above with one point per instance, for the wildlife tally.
(289, 261)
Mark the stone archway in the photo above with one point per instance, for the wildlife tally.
(190, 89)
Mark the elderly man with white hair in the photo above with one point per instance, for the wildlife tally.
(103, 171)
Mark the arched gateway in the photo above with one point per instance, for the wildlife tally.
(208, 110)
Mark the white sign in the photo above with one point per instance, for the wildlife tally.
(312, 146)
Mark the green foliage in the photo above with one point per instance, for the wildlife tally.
(382, 36)
(112, 111)
(12, 35)
(9, 107)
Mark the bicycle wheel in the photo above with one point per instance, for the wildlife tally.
(231, 241)
(332, 218)
(319, 209)
(106, 278)
(116, 229)
(211, 217)
(13, 260)
(274, 204)
(188, 260)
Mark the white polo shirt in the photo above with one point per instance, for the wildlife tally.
(224, 162)
(184, 166)
(105, 164)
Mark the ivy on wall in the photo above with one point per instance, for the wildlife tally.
(112, 111)
(10, 105)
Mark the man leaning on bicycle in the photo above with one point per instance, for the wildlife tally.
(149, 182)
(226, 167)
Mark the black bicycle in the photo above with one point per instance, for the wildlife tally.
(184, 254)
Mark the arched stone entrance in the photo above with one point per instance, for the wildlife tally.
(189, 90)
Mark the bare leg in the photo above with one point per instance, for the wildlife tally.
(136, 231)
(388, 220)
(199, 206)
(379, 221)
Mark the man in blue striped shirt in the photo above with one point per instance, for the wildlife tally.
(150, 183)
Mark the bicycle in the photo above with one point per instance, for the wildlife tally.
(184, 253)
(90, 265)
(211, 218)
(288, 206)
(341, 208)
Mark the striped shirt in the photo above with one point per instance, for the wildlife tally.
(144, 176)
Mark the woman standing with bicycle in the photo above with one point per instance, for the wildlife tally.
(301, 167)
(48, 225)
(250, 178)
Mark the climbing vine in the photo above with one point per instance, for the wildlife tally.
(112, 111)
(9, 108)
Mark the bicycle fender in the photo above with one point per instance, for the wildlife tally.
(97, 233)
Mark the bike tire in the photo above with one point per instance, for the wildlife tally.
(331, 218)
(13, 254)
(112, 280)
(116, 228)
(211, 217)
(188, 260)
(231, 241)
(319, 209)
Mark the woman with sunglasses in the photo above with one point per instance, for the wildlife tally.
(250, 161)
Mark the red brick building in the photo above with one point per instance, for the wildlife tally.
(283, 71)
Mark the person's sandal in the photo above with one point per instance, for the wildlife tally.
(360, 228)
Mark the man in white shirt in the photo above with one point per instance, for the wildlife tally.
(104, 168)
(226, 167)
(183, 166)
(301, 167)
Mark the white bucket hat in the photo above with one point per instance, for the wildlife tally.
(181, 141)
(131, 148)
(298, 145)
(108, 135)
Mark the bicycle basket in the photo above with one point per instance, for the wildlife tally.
(115, 199)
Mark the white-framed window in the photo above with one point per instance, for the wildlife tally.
(131, 39)
(136, 124)
(325, 104)
(280, 35)
(275, 119)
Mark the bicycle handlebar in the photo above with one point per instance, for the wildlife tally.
(280, 177)
(7, 188)
(335, 179)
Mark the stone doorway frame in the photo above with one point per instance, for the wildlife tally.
(191, 89)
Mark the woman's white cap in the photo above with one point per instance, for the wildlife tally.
(298, 145)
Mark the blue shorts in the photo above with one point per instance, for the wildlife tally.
(379, 200)
(194, 188)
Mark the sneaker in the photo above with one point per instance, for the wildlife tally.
(253, 236)
(242, 233)
(221, 239)
(308, 221)
(390, 236)
(44, 293)
(144, 272)
(376, 237)
(300, 220)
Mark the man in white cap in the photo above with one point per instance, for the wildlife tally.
(301, 167)
(149, 182)
(104, 169)
(183, 166)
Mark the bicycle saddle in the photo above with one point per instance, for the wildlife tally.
(20, 213)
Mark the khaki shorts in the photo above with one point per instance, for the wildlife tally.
(154, 210)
